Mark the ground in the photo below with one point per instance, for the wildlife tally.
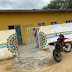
(6, 65)
(64, 66)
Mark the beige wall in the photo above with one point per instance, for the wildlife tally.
(5, 48)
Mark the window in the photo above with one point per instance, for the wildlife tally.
(11, 27)
(69, 21)
(52, 23)
(41, 24)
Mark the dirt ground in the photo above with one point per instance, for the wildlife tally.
(6, 66)
(64, 66)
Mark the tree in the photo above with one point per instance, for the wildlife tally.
(69, 4)
(59, 4)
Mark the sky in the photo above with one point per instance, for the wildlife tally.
(23, 4)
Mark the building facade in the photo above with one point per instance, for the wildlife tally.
(23, 19)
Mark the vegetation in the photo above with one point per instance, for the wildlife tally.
(59, 4)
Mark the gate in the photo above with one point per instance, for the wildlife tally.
(33, 39)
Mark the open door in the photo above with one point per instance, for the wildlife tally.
(18, 32)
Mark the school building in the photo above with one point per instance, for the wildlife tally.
(23, 19)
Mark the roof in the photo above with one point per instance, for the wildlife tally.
(34, 10)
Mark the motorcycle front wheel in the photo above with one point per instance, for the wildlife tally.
(67, 47)
(57, 55)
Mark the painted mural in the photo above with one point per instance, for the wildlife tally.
(43, 39)
(8, 44)
(50, 33)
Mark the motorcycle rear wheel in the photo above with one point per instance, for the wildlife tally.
(57, 55)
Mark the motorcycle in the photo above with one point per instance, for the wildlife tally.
(60, 46)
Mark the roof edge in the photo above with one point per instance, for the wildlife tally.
(33, 10)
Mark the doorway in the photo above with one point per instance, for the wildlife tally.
(25, 26)
(18, 32)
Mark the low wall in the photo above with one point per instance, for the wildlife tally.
(50, 33)
(8, 44)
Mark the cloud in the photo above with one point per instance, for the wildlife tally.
(22, 4)
(5, 4)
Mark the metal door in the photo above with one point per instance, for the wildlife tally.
(19, 36)
(34, 43)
